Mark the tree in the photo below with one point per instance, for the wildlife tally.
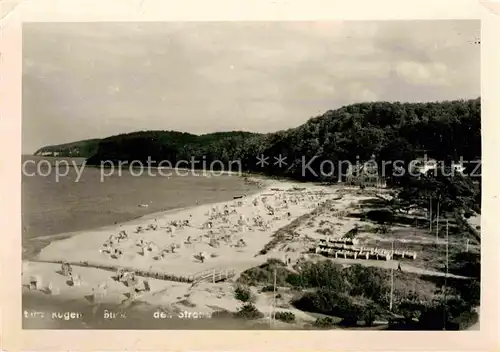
(390, 131)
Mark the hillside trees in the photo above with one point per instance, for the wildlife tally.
(392, 132)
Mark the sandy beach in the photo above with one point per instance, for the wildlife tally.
(172, 250)
(187, 261)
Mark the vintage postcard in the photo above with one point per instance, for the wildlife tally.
(286, 175)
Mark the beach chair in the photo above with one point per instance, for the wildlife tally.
(33, 283)
(76, 280)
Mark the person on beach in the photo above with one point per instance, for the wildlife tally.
(33, 284)
(399, 266)
(66, 269)
(119, 274)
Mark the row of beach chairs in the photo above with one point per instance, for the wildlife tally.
(364, 253)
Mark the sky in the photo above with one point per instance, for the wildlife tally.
(93, 80)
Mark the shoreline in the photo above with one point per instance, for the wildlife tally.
(82, 246)
(282, 220)
(33, 250)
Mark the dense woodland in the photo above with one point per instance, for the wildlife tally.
(445, 131)
(83, 149)
(390, 131)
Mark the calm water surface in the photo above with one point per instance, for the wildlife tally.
(51, 206)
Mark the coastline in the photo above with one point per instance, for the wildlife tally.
(208, 297)
(283, 220)
(33, 246)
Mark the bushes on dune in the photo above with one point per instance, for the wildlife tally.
(264, 274)
(469, 291)
(325, 322)
(368, 282)
(322, 274)
(248, 311)
(328, 302)
(287, 317)
(466, 264)
(243, 294)
(355, 280)
(454, 314)
(361, 294)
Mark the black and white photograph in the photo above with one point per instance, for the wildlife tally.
(301, 175)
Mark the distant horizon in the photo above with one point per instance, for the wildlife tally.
(94, 80)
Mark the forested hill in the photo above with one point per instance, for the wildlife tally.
(172, 146)
(390, 131)
(84, 149)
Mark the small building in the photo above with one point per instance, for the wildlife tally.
(366, 174)
(459, 167)
(422, 165)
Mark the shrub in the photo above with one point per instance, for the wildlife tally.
(264, 274)
(410, 310)
(327, 302)
(248, 311)
(295, 280)
(466, 264)
(322, 274)
(464, 320)
(243, 294)
(349, 321)
(470, 292)
(369, 282)
(383, 229)
(381, 216)
(273, 261)
(325, 322)
(369, 314)
(287, 317)
(268, 288)
(457, 312)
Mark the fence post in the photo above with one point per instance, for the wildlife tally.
(213, 277)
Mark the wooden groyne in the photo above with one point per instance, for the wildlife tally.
(214, 275)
